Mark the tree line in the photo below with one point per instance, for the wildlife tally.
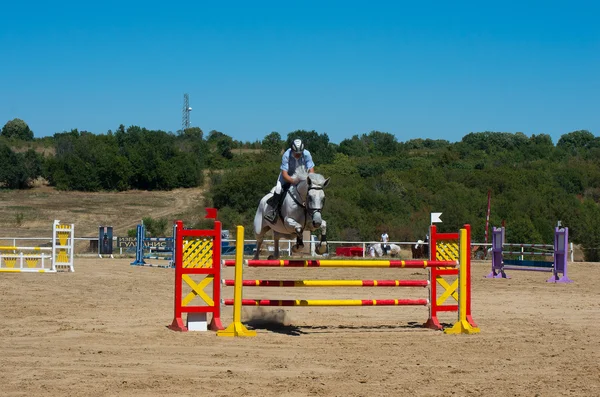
(377, 182)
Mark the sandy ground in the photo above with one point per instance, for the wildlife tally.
(102, 331)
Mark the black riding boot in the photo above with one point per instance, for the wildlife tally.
(273, 207)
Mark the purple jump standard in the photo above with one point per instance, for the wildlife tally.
(557, 267)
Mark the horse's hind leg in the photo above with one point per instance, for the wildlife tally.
(259, 240)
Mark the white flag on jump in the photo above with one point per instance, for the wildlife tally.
(435, 217)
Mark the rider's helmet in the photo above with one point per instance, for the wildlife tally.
(297, 146)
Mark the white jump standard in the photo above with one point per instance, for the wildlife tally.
(15, 259)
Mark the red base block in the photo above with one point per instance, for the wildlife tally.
(215, 324)
(433, 323)
(177, 325)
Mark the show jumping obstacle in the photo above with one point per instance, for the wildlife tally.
(559, 252)
(160, 248)
(197, 254)
(15, 259)
(459, 290)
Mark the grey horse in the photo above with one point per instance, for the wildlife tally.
(300, 210)
(375, 250)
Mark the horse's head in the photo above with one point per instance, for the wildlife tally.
(374, 250)
(315, 197)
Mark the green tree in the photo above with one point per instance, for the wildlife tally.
(587, 231)
(193, 133)
(18, 170)
(242, 189)
(381, 143)
(223, 144)
(272, 144)
(578, 143)
(576, 139)
(18, 129)
(354, 146)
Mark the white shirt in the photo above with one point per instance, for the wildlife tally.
(385, 238)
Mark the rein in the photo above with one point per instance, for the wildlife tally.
(310, 210)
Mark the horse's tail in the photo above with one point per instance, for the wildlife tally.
(260, 212)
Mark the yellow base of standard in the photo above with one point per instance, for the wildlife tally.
(462, 327)
(236, 329)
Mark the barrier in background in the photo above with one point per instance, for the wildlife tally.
(557, 266)
(159, 248)
(15, 259)
(460, 289)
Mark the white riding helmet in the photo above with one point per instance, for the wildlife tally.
(297, 146)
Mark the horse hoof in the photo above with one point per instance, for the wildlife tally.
(297, 247)
(321, 249)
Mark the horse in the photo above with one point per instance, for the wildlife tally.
(420, 249)
(376, 250)
(300, 210)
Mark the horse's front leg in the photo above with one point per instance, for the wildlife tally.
(276, 246)
(298, 230)
(322, 246)
(259, 241)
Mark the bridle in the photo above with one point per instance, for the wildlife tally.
(311, 210)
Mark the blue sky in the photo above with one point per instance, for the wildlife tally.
(429, 69)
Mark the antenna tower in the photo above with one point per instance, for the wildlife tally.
(185, 116)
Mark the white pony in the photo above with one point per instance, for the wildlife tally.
(300, 210)
(375, 250)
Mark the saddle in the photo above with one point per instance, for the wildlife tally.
(385, 248)
(275, 203)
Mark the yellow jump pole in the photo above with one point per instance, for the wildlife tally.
(462, 326)
(236, 328)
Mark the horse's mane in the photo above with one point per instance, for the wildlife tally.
(302, 174)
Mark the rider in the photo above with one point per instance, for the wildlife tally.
(384, 242)
(293, 158)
